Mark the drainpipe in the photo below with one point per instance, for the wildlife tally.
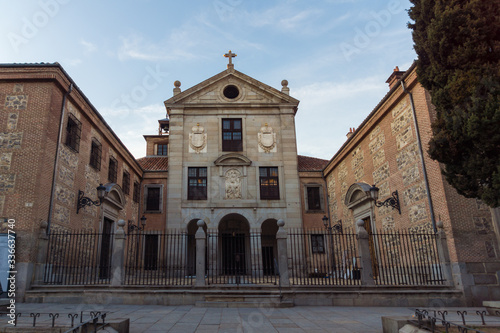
(56, 160)
(419, 142)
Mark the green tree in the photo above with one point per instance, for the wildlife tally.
(458, 48)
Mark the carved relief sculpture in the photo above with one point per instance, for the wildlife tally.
(267, 139)
(233, 184)
(197, 140)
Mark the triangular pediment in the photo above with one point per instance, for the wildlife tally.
(211, 92)
(232, 159)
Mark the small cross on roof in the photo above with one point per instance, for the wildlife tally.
(230, 55)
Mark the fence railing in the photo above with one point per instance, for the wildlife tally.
(81, 258)
(306, 257)
(160, 258)
(319, 257)
(244, 258)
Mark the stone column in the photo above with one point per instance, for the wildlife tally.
(444, 254)
(201, 244)
(118, 256)
(364, 254)
(281, 240)
(41, 256)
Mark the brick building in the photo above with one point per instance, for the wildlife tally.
(387, 150)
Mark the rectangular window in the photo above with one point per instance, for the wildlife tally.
(73, 133)
(269, 183)
(317, 243)
(197, 183)
(113, 169)
(232, 135)
(137, 192)
(126, 182)
(95, 154)
(153, 198)
(313, 198)
(161, 150)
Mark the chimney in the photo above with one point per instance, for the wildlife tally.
(395, 77)
(351, 133)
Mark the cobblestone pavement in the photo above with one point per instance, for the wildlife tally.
(183, 319)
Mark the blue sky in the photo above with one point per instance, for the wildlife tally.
(125, 55)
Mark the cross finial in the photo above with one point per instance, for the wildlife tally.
(230, 55)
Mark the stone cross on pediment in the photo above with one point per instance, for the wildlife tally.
(230, 55)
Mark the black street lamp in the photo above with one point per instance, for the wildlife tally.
(392, 201)
(337, 227)
(133, 227)
(86, 201)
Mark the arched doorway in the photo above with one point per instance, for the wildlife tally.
(234, 232)
(269, 229)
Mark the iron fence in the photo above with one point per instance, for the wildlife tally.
(160, 258)
(79, 258)
(241, 258)
(403, 258)
(321, 257)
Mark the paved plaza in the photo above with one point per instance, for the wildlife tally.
(183, 319)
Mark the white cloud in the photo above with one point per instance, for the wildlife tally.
(88, 46)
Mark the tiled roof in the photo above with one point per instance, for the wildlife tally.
(307, 163)
(154, 163)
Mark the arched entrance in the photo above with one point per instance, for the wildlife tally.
(269, 229)
(234, 232)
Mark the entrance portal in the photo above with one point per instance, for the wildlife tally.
(234, 236)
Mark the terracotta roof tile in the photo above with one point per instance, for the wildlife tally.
(306, 163)
(154, 163)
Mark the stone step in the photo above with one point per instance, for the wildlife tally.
(244, 304)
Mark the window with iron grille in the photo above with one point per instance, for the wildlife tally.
(137, 192)
(73, 133)
(126, 182)
(269, 183)
(317, 243)
(232, 135)
(197, 183)
(153, 198)
(313, 198)
(95, 154)
(161, 150)
(113, 169)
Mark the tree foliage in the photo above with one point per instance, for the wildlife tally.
(458, 47)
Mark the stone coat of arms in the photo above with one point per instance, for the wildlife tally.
(267, 139)
(197, 139)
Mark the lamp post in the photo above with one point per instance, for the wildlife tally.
(132, 227)
(392, 201)
(86, 201)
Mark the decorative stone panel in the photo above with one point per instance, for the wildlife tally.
(343, 190)
(68, 156)
(5, 161)
(232, 184)
(342, 171)
(414, 194)
(92, 176)
(482, 206)
(66, 176)
(401, 122)
(407, 156)
(7, 183)
(388, 223)
(359, 173)
(61, 214)
(402, 106)
(18, 88)
(381, 173)
(17, 102)
(411, 175)
(12, 119)
(331, 186)
(378, 158)
(384, 190)
(417, 213)
(65, 196)
(334, 210)
(357, 158)
(382, 211)
(2, 203)
(11, 140)
(482, 225)
(375, 132)
(404, 138)
(490, 249)
(377, 143)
